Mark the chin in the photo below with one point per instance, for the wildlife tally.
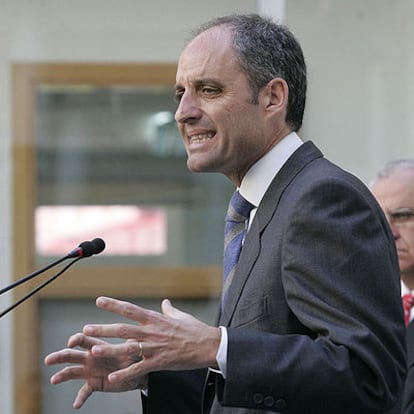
(194, 168)
(198, 166)
(407, 270)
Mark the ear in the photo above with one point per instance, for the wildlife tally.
(276, 94)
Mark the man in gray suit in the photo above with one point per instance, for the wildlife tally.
(312, 319)
(394, 190)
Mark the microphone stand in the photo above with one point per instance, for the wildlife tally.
(32, 275)
(42, 285)
(85, 249)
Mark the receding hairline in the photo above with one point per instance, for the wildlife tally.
(393, 166)
(402, 164)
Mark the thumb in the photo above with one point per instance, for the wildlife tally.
(169, 310)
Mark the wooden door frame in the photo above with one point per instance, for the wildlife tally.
(183, 282)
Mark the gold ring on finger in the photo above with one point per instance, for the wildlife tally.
(141, 350)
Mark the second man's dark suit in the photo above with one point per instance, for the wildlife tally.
(314, 314)
(408, 395)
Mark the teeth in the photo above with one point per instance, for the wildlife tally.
(202, 137)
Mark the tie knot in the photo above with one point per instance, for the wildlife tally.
(239, 208)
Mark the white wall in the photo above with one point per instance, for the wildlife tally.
(360, 58)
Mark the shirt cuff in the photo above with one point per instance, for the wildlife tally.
(221, 356)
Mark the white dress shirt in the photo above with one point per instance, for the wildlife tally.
(253, 188)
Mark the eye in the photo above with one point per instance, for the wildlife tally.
(210, 91)
(401, 215)
(178, 95)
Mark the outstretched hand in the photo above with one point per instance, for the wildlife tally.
(91, 368)
(171, 340)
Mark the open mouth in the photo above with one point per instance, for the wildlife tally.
(200, 138)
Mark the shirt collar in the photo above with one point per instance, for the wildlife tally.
(404, 289)
(260, 175)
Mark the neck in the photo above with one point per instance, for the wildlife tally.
(408, 280)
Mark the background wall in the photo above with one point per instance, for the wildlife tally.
(359, 53)
(360, 60)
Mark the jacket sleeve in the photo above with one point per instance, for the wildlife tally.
(174, 392)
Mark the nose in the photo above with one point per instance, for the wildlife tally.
(395, 230)
(188, 109)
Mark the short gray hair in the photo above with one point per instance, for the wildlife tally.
(267, 50)
(392, 166)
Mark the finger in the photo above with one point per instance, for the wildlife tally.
(117, 330)
(65, 356)
(131, 349)
(83, 394)
(137, 372)
(67, 374)
(126, 309)
(81, 340)
(132, 374)
(169, 310)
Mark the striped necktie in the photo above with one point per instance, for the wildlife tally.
(234, 231)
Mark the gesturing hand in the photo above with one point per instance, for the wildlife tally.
(93, 369)
(171, 340)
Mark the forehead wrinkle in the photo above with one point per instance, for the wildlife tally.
(395, 190)
(208, 50)
(203, 70)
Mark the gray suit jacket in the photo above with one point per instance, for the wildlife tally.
(314, 315)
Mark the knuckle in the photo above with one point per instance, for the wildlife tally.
(131, 348)
(123, 331)
(65, 354)
(75, 340)
(129, 310)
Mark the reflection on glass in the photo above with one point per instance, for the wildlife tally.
(127, 230)
(119, 146)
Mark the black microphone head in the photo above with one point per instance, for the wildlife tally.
(99, 245)
(88, 248)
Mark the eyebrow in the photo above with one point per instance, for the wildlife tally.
(200, 82)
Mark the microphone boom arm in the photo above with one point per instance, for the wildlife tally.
(85, 249)
(41, 286)
(32, 275)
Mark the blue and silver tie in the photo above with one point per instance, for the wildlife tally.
(234, 231)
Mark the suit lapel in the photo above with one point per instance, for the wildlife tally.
(252, 244)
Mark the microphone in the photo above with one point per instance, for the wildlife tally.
(88, 248)
(85, 249)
